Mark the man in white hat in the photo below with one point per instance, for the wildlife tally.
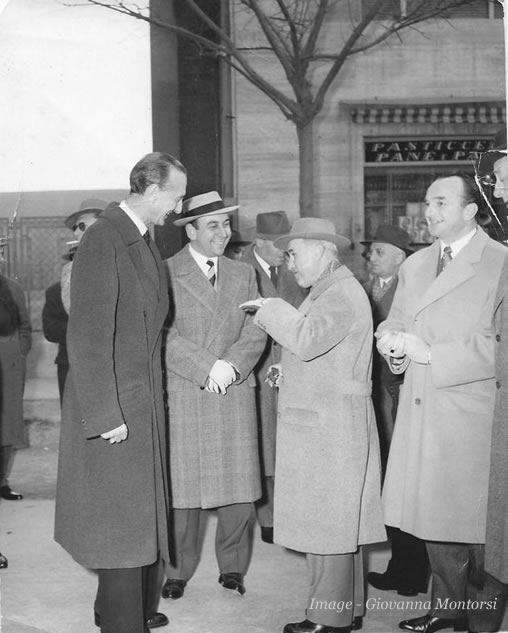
(211, 349)
(327, 475)
(79, 221)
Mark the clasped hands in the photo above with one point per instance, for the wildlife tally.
(400, 344)
(221, 376)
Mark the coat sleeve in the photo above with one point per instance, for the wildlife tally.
(310, 335)
(25, 326)
(245, 352)
(54, 317)
(91, 333)
(187, 359)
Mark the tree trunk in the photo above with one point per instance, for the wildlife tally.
(308, 208)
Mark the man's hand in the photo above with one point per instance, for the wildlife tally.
(391, 344)
(116, 435)
(274, 375)
(417, 350)
(221, 376)
(253, 305)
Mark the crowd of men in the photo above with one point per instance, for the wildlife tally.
(268, 402)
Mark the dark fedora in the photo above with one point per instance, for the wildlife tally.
(272, 224)
(312, 229)
(92, 205)
(209, 203)
(237, 239)
(394, 235)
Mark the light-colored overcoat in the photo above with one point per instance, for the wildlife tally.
(496, 544)
(13, 351)
(327, 477)
(438, 467)
(266, 396)
(214, 457)
(111, 505)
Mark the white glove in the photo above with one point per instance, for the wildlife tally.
(222, 374)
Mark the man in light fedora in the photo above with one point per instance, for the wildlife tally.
(79, 221)
(274, 280)
(211, 350)
(327, 474)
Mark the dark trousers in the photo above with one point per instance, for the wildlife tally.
(461, 588)
(409, 564)
(127, 597)
(264, 506)
(6, 458)
(337, 592)
(61, 372)
(232, 540)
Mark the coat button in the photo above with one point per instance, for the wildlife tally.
(418, 401)
(498, 384)
(498, 337)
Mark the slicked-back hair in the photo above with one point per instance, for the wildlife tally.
(470, 192)
(153, 169)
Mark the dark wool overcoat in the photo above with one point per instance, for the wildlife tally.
(496, 544)
(327, 474)
(214, 457)
(111, 505)
(13, 351)
(54, 322)
(437, 477)
(266, 396)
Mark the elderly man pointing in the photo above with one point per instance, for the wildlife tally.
(327, 479)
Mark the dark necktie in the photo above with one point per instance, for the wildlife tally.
(273, 275)
(446, 258)
(212, 277)
(146, 237)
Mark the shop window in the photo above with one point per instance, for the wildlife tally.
(472, 9)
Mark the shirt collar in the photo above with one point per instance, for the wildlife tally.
(264, 265)
(458, 245)
(202, 259)
(139, 223)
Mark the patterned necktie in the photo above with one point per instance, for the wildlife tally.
(273, 275)
(212, 277)
(378, 289)
(446, 258)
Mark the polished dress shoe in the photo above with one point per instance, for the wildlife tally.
(3, 562)
(431, 623)
(10, 495)
(357, 623)
(233, 581)
(385, 582)
(153, 622)
(267, 534)
(311, 627)
(173, 588)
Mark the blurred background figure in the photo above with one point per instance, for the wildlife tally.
(55, 312)
(15, 343)
(236, 245)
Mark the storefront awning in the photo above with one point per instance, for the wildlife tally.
(478, 112)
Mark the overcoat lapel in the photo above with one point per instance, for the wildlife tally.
(195, 282)
(460, 270)
(227, 291)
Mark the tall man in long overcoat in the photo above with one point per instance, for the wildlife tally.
(440, 330)
(327, 474)
(211, 350)
(274, 280)
(112, 489)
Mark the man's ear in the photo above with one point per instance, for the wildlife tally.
(470, 210)
(151, 190)
(190, 229)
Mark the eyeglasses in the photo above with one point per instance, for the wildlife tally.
(82, 226)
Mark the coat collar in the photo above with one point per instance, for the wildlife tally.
(457, 272)
(323, 284)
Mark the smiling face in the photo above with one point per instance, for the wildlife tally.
(210, 235)
(167, 198)
(448, 215)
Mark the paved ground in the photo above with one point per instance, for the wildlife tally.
(45, 591)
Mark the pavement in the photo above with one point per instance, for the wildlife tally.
(44, 591)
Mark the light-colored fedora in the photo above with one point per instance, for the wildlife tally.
(209, 203)
(92, 205)
(313, 229)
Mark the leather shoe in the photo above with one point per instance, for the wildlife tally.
(173, 588)
(153, 622)
(233, 581)
(311, 627)
(267, 534)
(3, 562)
(430, 624)
(9, 495)
(357, 623)
(385, 582)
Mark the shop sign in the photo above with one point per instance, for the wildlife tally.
(423, 151)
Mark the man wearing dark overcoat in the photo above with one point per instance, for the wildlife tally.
(211, 350)
(274, 280)
(327, 474)
(440, 332)
(112, 489)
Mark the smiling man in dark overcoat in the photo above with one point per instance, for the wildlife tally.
(111, 506)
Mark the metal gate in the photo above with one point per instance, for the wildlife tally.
(34, 257)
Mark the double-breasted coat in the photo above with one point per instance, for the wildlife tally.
(266, 396)
(111, 504)
(214, 457)
(14, 348)
(327, 474)
(438, 467)
(496, 544)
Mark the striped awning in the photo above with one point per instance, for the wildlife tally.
(478, 112)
